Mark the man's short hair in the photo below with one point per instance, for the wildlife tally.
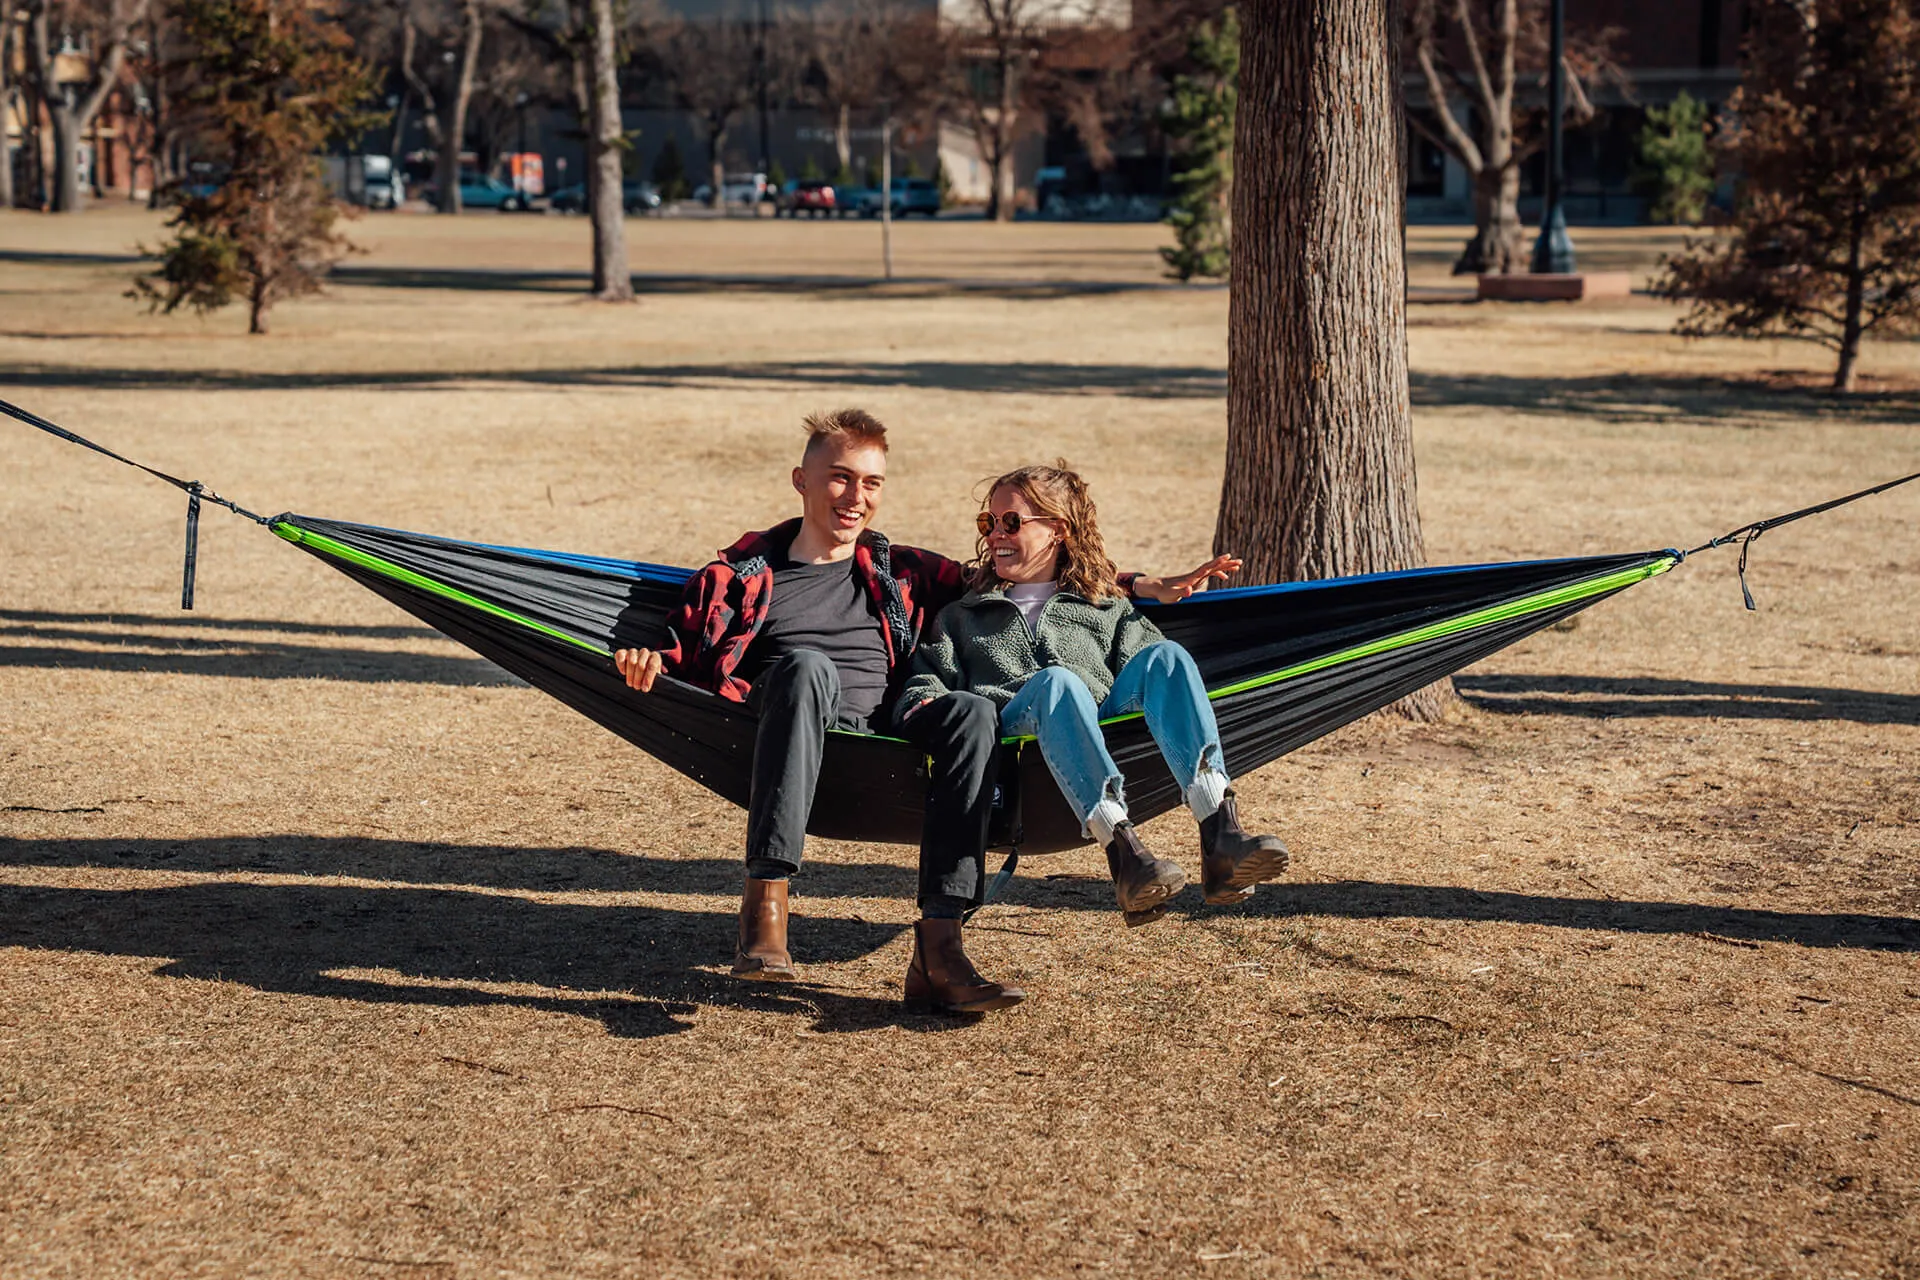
(852, 426)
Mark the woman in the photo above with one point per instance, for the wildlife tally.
(1047, 635)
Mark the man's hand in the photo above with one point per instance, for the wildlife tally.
(1179, 586)
(641, 667)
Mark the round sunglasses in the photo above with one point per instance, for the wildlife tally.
(1009, 523)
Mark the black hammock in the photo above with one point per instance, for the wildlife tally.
(1282, 664)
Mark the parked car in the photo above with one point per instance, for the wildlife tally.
(811, 196)
(745, 188)
(635, 197)
(849, 201)
(910, 195)
(478, 192)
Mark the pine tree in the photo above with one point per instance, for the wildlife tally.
(670, 172)
(1676, 160)
(276, 81)
(1202, 121)
(1824, 242)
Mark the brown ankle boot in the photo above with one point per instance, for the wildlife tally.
(1231, 861)
(942, 980)
(762, 953)
(1142, 883)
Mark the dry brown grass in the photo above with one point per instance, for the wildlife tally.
(327, 951)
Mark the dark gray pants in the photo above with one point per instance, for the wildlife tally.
(798, 701)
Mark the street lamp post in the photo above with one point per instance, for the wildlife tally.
(760, 69)
(1553, 251)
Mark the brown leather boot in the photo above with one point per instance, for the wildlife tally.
(1142, 883)
(942, 980)
(1231, 861)
(762, 953)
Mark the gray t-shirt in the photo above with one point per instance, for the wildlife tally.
(825, 607)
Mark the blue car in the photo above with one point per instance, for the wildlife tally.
(910, 196)
(477, 192)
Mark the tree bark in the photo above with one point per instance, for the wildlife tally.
(612, 280)
(1498, 245)
(455, 131)
(1851, 327)
(1320, 468)
(66, 152)
(7, 97)
(1000, 203)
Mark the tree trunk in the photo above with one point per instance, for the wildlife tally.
(1320, 468)
(1498, 245)
(455, 133)
(1000, 203)
(7, 100)
(1850, 321)
(843, 138)
(8, 97)
(66, 152)
(716, 149)
(612, 280)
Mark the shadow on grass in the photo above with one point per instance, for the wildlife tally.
(34, 618)
(1140, 381)
(419, 863)
(1606, 697)
(645, 971)
(577, 283)
(904, 287)
(1642, 398)
(101, 642)
(1366, 900)
(639, 971)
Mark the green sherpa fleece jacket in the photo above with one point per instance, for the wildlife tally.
(979, 643)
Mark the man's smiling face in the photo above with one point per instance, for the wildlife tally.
(840, 483)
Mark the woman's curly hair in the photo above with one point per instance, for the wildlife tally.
(1057, 492)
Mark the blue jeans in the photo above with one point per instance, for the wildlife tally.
(1056, 707)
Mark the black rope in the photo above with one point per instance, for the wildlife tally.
(195, 491)
(1746, 533)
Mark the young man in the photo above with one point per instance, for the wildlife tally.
(807, 623)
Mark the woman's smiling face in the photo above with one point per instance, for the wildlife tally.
(1032, 554)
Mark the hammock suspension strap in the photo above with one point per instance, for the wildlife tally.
(1747, 533)
(194, 490)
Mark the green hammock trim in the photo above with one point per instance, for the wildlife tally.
(1386, 644)
(320, 541)
(1454, 626)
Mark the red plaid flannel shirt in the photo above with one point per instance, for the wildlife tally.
(725, 603)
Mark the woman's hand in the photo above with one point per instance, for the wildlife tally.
(1179, 586)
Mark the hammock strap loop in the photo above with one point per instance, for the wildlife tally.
(1747, 533)
(194, 491)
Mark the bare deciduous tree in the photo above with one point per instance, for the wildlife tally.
(73, 78)
(991, 57)
(1482, 53)
(714, 75)
(845, 55)
(446, 36)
